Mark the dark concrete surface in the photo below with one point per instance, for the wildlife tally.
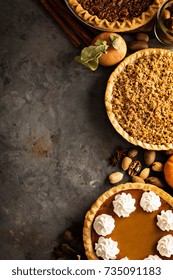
(55, 137)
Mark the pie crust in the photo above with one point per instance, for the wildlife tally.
(145, 92)
(91, 214)
(116, 25)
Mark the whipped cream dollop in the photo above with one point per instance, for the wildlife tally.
(150, 201)
(104, 224)
(124, 204)
(152, 257)
(165, 246)
(106, 248)
(165, 220)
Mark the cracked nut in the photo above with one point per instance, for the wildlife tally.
(149, 157)
(115, 177)
(134, 168)
(125, 163)
(154, 181)
(144, 173)
(157, 166)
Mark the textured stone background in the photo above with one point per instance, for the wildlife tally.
(55, 137)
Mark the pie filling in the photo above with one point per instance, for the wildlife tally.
(137, 235)
(116, 10)
(142, 99)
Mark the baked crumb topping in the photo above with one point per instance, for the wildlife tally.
(142, 99)
(119, 10)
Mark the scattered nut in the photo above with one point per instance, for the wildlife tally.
(157, 166)
(137, 45)
(132, 153)
(169, 152)
(134, 168)
(154, 181)
(149, 157)
(145, 173)
(137, 179)
(169, 23)
(126, 162)
(115, 177)
(68, 235)
(142, 37)
(69, 251)
(166, 14)
(171, 8)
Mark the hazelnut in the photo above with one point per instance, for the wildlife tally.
(157, 166)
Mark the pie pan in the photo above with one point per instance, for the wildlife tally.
(155, 83)
(114, 26)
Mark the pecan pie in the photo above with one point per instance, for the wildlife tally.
(115, 15)
(136, 236)
(139, 99)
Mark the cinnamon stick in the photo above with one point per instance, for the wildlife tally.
(61, 10)
(72, 37)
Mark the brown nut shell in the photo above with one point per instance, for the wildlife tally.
(149, 157)
(142, 37)
(169, 152)
(155, 181)
(137, 45)
(132, 153)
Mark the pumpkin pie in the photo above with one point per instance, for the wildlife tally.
(139, 99)
(117, 15)
(132, 221)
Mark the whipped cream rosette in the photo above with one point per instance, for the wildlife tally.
(106, 248)
(150, 201)
(123, 204)
(165, 220)
(104, 224)
(165, 246)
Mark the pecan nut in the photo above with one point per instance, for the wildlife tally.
(134, 167)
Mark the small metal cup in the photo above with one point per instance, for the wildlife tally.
(163, 29)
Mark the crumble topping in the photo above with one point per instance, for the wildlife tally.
(142, 99)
